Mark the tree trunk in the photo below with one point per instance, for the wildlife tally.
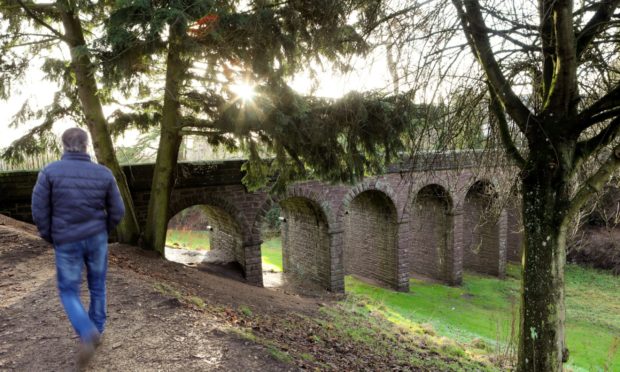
(545, 202)
(128, 230)
(168, 151)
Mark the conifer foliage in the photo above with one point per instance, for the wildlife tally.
(201, 49)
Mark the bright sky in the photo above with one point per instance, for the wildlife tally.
(39, 92)
(34, 88)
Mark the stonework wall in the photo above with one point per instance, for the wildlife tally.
(226, 235)
(515, 234)
(16, 194)
(370, 245)
(481, 245)
(319, 236)
(432, 229)
(326, 200)
(305, 241)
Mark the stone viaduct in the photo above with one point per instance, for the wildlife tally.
(431, 216)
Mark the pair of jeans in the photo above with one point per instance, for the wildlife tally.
(70, 261)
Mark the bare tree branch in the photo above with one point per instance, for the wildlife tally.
(391, 16)
(603, 138)
(476, 30)
(548, 50)
(601, 117)
(525, 47)
(563, 92)
(609, 101)
(504, 131)
(595, 25)
(595, 183)
(517, 25)
(44, 41)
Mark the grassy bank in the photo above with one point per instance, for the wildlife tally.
(482, 315)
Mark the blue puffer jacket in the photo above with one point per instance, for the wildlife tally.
(74, 199)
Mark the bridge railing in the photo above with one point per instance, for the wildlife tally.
(417, 162)
(459, 159)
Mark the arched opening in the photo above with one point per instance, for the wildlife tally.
(205, 234)
(370, 243)
(271, 247)
(432, 230)
(305, 240)
(481, 250)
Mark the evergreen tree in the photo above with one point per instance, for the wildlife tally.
(33, 28)
(205, 47)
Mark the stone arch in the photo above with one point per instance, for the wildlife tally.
(306, 240)
(309, 192)
(266, 205)
(370, 185)
(371, 237)
(481, 230)
(255, 250)
(432, 228)
(230, 235)
(181, 202)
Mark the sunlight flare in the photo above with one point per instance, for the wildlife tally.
(244, 91)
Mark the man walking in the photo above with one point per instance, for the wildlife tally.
(75, 203)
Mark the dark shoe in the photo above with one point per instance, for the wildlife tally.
(85, 354)
(87, 351)
(98, 340)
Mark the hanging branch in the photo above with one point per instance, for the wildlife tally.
(595, 183)
(595, 25)
(473, 22)
(602, 139)
(40, 21)
(504, 131)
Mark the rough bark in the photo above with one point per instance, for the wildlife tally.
(554, 156)
(546, 201)
(168, 151)
(128, 230)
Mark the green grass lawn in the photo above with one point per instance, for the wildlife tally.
(188, 239)
(271, 251)
(482, 314)
(485, 309)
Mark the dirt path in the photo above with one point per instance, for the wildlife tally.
(164, 316)
(146, 331)
(222, 286)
